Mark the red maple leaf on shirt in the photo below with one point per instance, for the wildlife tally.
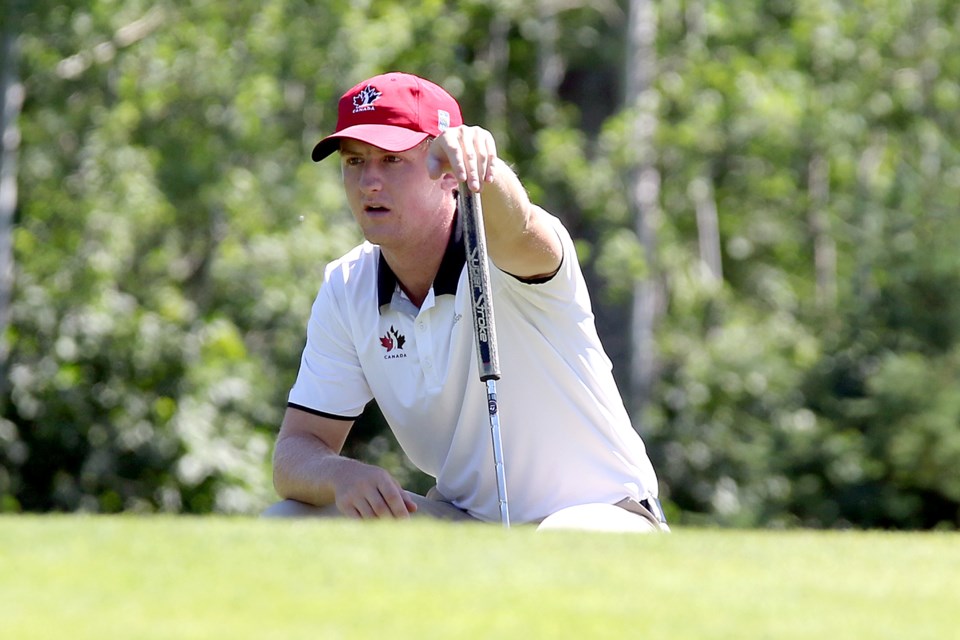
(393, 339)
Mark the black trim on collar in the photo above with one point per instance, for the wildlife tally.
(386, 282)
(448, 275)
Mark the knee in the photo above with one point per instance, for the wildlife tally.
(297, 509)
(597, 517)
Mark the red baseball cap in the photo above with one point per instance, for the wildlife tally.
(393, 111)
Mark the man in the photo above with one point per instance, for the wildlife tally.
(392, 322)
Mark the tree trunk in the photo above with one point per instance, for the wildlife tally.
(550, 64)
(701, 188)
(11, 93)
(644, 196)
(869, 230)
(824, 246)
(498, 57)
(708, 229)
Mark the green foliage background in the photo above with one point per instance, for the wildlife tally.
(171, 234)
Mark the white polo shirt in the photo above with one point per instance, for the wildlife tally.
(567, 439)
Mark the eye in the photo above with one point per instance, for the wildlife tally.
(352, 161)
(392, 159)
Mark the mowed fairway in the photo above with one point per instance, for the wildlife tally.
(165, 577)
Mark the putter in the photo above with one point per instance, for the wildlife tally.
(478, 274)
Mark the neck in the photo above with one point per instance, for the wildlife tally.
(416, 266)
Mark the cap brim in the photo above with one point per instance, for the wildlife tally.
(383, 136)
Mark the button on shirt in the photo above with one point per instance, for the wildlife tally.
(567, 438)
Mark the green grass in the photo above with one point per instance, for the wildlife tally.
(129, 577)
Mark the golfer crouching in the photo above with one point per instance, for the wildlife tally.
(393, 322)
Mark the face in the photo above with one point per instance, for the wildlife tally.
(392, 197)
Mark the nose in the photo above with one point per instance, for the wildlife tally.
(371, 179)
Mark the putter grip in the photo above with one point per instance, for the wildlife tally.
(478, 276)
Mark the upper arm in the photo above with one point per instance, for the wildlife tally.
(331, 433)
(533, 252)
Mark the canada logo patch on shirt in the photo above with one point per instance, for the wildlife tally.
(393, 341)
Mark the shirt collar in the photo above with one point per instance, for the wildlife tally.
(448, 275)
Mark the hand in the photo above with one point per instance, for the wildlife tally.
(365, 491)
(466, 152)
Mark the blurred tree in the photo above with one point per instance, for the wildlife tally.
(11, 100)
(162, 236)
(644, 196)
(822, 125)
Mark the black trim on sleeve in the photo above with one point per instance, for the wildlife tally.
(540, 280)
(322, 414)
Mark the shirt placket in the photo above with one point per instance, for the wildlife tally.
(426, 347)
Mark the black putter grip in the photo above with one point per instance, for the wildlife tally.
(478, 276)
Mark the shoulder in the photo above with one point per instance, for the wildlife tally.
(361, 260)
(349, 281)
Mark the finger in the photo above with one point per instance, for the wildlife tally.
(356, 505)
(491, 157)
(472, 159)
(368, 502)
(454, 151)
(396, 504)
(438, 157)
(408, 502)
(434, 167)
(444, 157)
(457, 162)
(484, 151)
(353, 511)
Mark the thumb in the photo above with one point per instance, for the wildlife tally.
(408, 502)
(434, 166)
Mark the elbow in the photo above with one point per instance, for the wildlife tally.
(281, 479)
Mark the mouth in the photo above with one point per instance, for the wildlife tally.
(375, 209)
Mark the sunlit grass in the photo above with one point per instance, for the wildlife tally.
(129, 577)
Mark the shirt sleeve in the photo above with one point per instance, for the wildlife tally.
(330, 381)
(558, 291)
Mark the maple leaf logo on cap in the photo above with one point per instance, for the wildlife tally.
(364, 100)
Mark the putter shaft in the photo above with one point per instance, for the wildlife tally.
(498, 452)
(478, 276)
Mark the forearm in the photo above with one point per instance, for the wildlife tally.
(520, 235)
(520, 239)
(305, 469)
